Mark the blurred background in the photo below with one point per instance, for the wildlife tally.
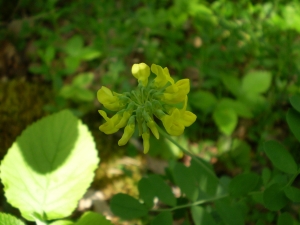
(242, 58)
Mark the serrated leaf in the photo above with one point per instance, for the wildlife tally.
(49, 167)
(280, 157)
(203, 100)
(243, 184)
(185, 180)
(256, 82)
(292, 193)
(127, 207)
(92, 218)
(164, 218)
(200, 216)
(7, 219)
(274, 198)
(295, 102)
(293, 120)
(226, 120)
(62, 222)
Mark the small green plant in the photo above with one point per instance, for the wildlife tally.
(48, 169)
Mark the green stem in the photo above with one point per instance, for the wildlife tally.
(204, 167)
(191, 204)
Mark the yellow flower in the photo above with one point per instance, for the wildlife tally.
(128, 132)
(109, 99)
(109, 127)
(124, 119)
(152, 125)
(162, 76)
(141, 72)
(173, 123)
(146, 144)
(175, 95)
(187, 117)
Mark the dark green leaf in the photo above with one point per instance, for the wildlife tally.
(184, 178)
(292, 193)
(295, 102)
(146, 191)
(229, 213)
(200, 216)
(285, 219)
(280, 157)
(127, 207)
(243, 184)
(274, 198)
(293, 120)
(164, 218)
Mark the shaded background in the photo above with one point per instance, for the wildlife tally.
(57, 54)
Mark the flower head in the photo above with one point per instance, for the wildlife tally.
(152, 100)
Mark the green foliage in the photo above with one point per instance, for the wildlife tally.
(44, 161)
(7, 219)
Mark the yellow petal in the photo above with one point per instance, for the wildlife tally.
(141, 72)
(162, 76)
(109, 99)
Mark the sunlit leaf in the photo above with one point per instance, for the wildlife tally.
(92, 218)
(226, 120)
(49, 167)
(256, 82)
(7, 219)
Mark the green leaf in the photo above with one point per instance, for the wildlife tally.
(49, 167)
(185, 180)
(164, 218)
(71, 64)
(163, 190)
(266, 175)
(200, 216)
(226, 120)
(49, 54)
(89, 54)
(83, 79)
(7, 219)
(243, 184)
(232, 84)
(93, 218)
(285, 219)
(74, 46)
(203, 100)
(293, 120)
(240, 108)
(256, 82)
(280, 157)
(292, 193)
(274, 198)
(228, 212)
(295, 102)
(146, 191)
(62, 222)
(127, 207)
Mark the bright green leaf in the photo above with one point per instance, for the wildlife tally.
(62, 222)
(164, 218)
(71, 64)
(49, 167)
(243, 184)
(203, 100)
(200, 216)
(232, 84)
(292, 193)
(280, 157)
(185, 180)
(6, 219)
(83, 79)
(256, 82)
(127, 207)
(295, 102)
(226, 120)
(92, 218)
(293, 120)
(89, 54)
(74, 46)
(274, 198)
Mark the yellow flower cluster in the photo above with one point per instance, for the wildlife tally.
(158, 98)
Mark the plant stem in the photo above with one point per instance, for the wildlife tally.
(207, 169)
(191, 204)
